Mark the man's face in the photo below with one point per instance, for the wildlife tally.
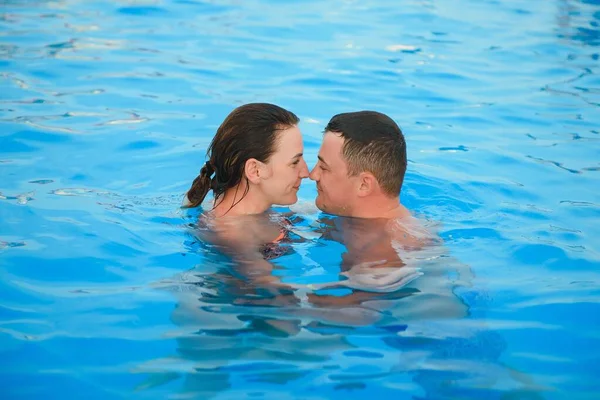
(336, 190)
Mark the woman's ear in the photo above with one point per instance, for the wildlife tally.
(367, 184)
(252, 170)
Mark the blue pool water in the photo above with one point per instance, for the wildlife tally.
(106, 110)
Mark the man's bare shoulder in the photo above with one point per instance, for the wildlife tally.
(410, 232)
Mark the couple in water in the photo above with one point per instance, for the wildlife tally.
(255, 161)
(237, 303)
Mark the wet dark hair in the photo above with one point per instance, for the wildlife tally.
(249, 131)
(372, 142)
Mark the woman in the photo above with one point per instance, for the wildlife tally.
(254, 161)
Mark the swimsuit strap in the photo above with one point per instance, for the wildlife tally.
(280, 237)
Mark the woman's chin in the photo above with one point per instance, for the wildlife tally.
(288, 200)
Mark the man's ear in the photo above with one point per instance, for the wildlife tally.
(252, 170)
(367, 184)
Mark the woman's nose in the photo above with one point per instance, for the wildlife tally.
(304, 170)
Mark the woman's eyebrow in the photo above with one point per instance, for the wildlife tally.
(297, 155)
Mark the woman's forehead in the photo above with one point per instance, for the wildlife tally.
(290, 141)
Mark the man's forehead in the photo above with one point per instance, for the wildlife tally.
(332, 142)
(331, 150)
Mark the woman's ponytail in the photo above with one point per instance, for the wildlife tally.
(200, 186)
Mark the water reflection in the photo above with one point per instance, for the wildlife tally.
(577, 20)
(578, 28)
(313, 319)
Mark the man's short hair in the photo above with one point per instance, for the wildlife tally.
(373, 142)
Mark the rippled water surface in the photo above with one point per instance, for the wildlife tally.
(106, 110)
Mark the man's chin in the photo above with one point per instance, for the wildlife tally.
(326, 209)
(339, 211)
(320, 205)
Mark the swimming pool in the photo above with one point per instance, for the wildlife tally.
(106, 111)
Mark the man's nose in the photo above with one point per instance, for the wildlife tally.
(314, 174)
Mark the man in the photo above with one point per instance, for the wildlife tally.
(359, 174)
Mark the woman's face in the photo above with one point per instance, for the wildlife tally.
(287, 168)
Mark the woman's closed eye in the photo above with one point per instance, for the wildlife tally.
(298, 161)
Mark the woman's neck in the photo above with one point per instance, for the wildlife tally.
(234, 203)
